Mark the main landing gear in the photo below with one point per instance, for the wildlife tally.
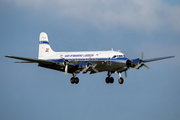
(74, 79)
(110, 79)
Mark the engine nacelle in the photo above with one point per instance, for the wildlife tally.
(135, 62)
(128, 63)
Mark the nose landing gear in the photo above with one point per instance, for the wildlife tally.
(120, 80)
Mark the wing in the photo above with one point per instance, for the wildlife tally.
(29, 60)
(48, 64)
(155, 59)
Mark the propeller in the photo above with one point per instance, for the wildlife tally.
(86, 68)
(139, 62)
(66, 63)
(89, 66)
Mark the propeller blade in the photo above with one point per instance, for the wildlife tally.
(142, 54)
(85, 69)
(137, 66)
(94, 70)
(66, 69)
(147, 67)
(91, 67)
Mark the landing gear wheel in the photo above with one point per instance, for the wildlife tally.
(72, 80)
(120, 80)
(111, 80)
(76, 80)
(107, 80)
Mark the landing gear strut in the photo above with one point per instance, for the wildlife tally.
(74, 79)
(109, 79)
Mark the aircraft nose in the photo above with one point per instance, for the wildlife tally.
(128, 63)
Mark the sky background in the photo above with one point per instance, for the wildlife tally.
(28, 92)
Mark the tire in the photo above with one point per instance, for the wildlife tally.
(111, 80)
(107, 80)
(72, 80)
(76, 80)
(121, 80)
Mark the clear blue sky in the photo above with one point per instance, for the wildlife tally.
(28, 92)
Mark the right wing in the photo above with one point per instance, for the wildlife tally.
(155, 59)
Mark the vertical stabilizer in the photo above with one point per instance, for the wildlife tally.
(44, 47)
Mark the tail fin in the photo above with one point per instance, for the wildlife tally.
(44, 47)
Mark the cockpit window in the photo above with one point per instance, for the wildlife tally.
(114, 56)
(117, 56)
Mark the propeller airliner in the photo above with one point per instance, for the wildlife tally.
(86, 61)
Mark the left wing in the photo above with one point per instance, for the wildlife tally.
(29, 60)
(66, 67)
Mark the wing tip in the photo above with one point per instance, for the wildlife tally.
(9, 56)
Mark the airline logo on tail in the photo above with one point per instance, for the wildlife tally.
(47, 49)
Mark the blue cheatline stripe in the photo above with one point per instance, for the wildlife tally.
(43, 42)
(95, 60)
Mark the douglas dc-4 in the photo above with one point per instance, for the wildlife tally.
(85, 61)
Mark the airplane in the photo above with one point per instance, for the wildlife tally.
(85, 61)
